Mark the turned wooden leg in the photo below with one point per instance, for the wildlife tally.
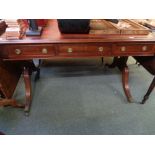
(121, 63)
(125, 82)
(29, 67)
(10, 102)
(149, 91)
(27, 80)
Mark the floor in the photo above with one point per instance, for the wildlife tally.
(82, 97)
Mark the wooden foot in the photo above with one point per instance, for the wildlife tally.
(27, 80)
(10, 102)
(149, 91)
(125, 82)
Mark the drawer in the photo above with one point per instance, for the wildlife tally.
(71, 50)
(133, 48)
(28, 51)
(99, 49)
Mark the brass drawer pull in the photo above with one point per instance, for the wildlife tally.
(18, 51)
(70, 50)
(100, 49)
(123, 48)
(44, 51)
(144, 48)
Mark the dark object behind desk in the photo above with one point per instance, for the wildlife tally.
(147, 62)
(3, 26)
(113, 20)
(74, 25)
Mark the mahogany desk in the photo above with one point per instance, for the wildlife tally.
(51, 44)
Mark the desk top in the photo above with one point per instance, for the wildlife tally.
(51, 34)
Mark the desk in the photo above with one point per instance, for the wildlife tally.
(52, 44)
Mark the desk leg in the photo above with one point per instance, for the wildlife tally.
(27, 80)
(149, 91)
(125, 82)
(121, 63)
(29, 67)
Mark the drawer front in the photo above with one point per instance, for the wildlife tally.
(70, 50)
(99, 49)
(133, 49)
(34, 51)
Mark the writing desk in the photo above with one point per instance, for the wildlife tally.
(52, 45)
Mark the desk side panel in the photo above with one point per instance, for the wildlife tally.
(9, 76)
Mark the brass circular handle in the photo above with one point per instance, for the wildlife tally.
(18, 51)
(44, 51)
(70, 50)
(144, 48)
(100, 49)
(123, 48)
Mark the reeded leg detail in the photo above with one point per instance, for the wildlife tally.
(28, 92)
(125, 82)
